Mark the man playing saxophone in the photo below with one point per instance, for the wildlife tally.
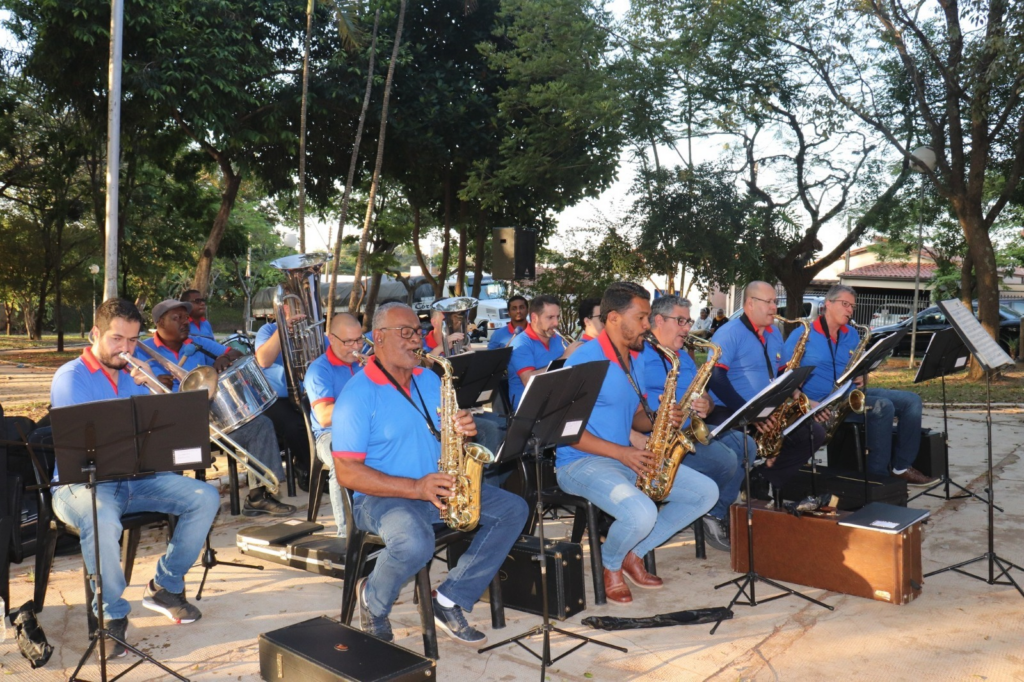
(722, 459)
(829, 350)
(386, 445)
(751, 357)
(603, 466)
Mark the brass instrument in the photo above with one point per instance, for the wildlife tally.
(449, 308)
(298, 299)
(856, 399)
(666, 444)
(264, 475)
(698, 430)
(769, 442)
(463, 461)
(363, 358)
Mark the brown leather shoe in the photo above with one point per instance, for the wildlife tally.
(633, 568)
(616, 589)
(915, 478)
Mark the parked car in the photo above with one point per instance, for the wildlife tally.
(813, 306)
(890, 313)
(1014, 304)
(932, 320)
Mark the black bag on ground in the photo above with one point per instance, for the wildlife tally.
(662, 620)
(31, 639)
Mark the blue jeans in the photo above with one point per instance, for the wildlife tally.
(887, 404)
(722, 462)
(407, 528)
(259, 440)
(323, 451)
(640, 526)
(195, 503)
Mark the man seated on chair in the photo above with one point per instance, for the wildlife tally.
(534, 349)
(325, 378)
(386, 444)
(199, 325)
(603, 466)
(99, 374)
(172, 342)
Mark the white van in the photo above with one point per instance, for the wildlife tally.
(492, 312)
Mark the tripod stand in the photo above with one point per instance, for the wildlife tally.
(209, 558)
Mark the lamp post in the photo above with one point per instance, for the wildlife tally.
(923, 160)
(95, 270)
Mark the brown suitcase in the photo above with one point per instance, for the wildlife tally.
(817, 552)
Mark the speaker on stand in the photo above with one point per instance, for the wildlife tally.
(514, 254)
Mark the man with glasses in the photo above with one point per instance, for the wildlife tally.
(386, 446)
(829, 349)
(751, 358)
(501, 337)
(590, 319)
(199, 325)
(722, 459)
(325, 378)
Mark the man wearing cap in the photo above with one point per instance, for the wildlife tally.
(172, 341)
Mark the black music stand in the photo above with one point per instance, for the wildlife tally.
(477, 376)
(553, 411)
(946, 354)
(758, 409)
(827, 403)
(992, 358)
(112, 439)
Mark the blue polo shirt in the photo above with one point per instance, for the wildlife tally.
(375, 424)
(829, 358)
(530, 352)
(189, 349)
(325, 377)
(501, 336)
(612, 416)
(275, 373)
(656, 371)
(83, 381)
(751, 357)
(200, 328)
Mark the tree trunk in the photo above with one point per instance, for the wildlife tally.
(967, 279)
(302, 126)
(460, 279)
(367, 222)
(58, 315)
(478, 258)
(371, 297)
(986, 273)
(353, 162)
(204, 269)
(418, 250)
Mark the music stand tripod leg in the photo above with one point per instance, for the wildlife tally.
(209, 560)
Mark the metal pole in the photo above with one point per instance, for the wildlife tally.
(113, 146)
(917, 276)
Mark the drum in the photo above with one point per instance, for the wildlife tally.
(243, 393)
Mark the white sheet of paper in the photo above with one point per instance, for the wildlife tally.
(960, 362)
(765, 412)
(188, 456)
(484, 396)
(572, 428)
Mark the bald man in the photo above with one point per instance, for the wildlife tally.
(324, 381)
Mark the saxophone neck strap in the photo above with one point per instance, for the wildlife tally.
(425, 413)
(764, 344)
(632, 382)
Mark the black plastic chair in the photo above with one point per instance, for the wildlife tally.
(318, 473)
(359, 541)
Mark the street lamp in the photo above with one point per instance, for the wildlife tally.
(95, 270)
(923, 160)
(289, 239)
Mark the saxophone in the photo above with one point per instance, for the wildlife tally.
(463, 461)
(855, 400)
(769, 442)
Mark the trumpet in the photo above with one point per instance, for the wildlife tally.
(363, 358)
(196, 380)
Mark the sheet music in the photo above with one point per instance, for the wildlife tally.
(825, 404)
(866, 353)
(767, 411)
(983, 346)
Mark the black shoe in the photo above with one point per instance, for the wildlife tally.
(716, 533)
(170, 604)
(258, 502)
(453, 621)
(117, 627)
(378, 626)
(302, 480)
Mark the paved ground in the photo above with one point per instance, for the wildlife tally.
(959, 629)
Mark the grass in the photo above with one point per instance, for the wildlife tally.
(52, 359)
(20, 341)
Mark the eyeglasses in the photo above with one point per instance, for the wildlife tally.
(405, 332)
(846, 304)
(681, 321)
(769, 301)
(348, 342)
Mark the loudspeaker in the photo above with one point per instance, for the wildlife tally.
(514, 253)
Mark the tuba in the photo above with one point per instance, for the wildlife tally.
(769, 442)
(298, 299)
(855, 400)
(463, 461)
(450, 308)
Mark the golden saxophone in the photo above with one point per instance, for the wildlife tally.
(855, 400)
(769, 442)
(463, 461)
(666, 444)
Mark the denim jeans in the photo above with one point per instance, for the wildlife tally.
(722, 462)
(195, 503)
(323, 451)
(490, 432)
(887, 404)
(640, 525)
(259, 440)
(407, 528)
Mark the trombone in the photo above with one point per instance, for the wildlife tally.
(200, 378)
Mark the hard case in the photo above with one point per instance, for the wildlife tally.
(320, 554)
(848, 486)
(324, 650)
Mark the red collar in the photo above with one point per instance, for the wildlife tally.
(609, 350)
(430, 340)
(374, 373)
(533, 335)
(586, 337)
(843, 329)
(159, 343)
(197, 320)
(335, 360)
(93, 365)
